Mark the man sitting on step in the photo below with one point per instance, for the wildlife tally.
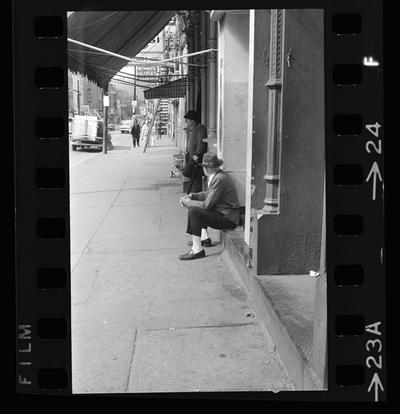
(218, 207)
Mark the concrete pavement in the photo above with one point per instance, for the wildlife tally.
(143, 321)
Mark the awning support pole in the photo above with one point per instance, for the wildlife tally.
(151, 127)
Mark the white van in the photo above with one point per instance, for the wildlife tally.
(87, 132)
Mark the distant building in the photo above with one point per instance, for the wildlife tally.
(150, 76)
(83, 95)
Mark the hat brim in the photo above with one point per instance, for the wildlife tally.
(208, 164)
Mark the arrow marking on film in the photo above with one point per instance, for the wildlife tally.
(376, 173)
(376, 383)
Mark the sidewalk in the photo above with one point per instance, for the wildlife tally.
(142, 320)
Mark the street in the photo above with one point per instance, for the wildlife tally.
(143, 321)
(81, 155)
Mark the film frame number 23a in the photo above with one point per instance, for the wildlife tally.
(374, 346)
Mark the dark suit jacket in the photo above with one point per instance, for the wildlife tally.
(221, 196)
(195, 145)
(135, 131)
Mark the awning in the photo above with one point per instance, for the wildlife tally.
(123, 32)
(174, 89)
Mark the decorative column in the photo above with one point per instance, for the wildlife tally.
(183, 101)
(274, 131)
(212, 88)
(191, 73)
(196, 59)
(186, 102)
(203, 69)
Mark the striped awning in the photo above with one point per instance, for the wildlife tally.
(174, 89)
(122, 32)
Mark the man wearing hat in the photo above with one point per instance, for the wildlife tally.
(195, 149)
(218, 207)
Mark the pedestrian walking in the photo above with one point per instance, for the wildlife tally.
(196, 147)
(153, 136)
(145, 131)
(135, 131)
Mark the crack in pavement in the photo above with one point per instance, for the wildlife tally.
(97, 191)
(201, 327)
(105, 215)
(131, 362)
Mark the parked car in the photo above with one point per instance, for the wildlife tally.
(111, 127)
(126, 127)
(87, 132)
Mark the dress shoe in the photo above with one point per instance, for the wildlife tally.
(205, 243)
(192, 256)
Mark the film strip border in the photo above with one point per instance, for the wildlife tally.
(42, 197)
(354, 195)
(355, 207)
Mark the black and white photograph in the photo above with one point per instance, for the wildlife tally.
(197, 200)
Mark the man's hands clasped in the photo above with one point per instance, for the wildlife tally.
(184, 200)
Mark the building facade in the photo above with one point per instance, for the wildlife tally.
(261, 97)
(270, 131)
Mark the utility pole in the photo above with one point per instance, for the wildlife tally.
(134, 93)
(106, 102)
(79, 99)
